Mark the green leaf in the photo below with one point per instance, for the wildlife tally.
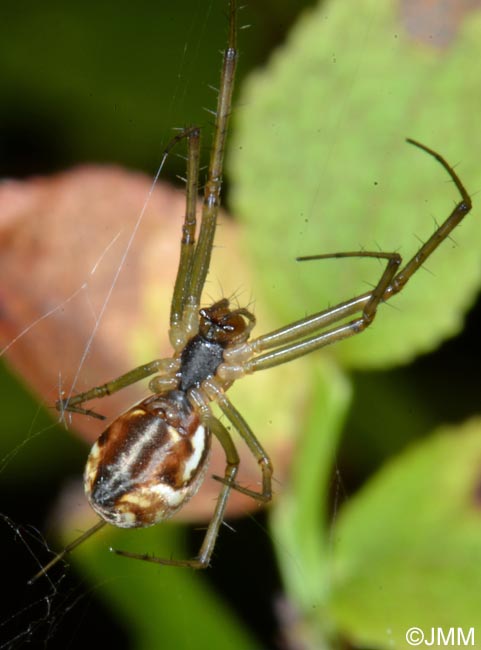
(320, 166)
(407, 548)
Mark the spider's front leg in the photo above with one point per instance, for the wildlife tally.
(167, 368)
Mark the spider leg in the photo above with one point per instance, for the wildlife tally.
(195, 257)
(292, 337)
(73, 403)
(187, 245)
(202, 560)
(211, 201)
(217, 394)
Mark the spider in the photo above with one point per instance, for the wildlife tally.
(153, 458)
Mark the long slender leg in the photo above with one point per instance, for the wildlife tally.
(187, 246)
(68, 549)
(292, 335)
(232, 463)
(72, 404)
(185, 266)
(215, 393)
(214, 175)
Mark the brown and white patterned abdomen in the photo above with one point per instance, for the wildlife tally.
(148, 463)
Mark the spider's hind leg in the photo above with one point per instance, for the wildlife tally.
(265, 495)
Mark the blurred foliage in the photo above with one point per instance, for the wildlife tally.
(407, 548)
(317, 164)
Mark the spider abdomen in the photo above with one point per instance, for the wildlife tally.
(148, 463)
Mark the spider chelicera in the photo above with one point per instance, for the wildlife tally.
(154, 457)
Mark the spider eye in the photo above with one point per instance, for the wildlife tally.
(226, 326)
